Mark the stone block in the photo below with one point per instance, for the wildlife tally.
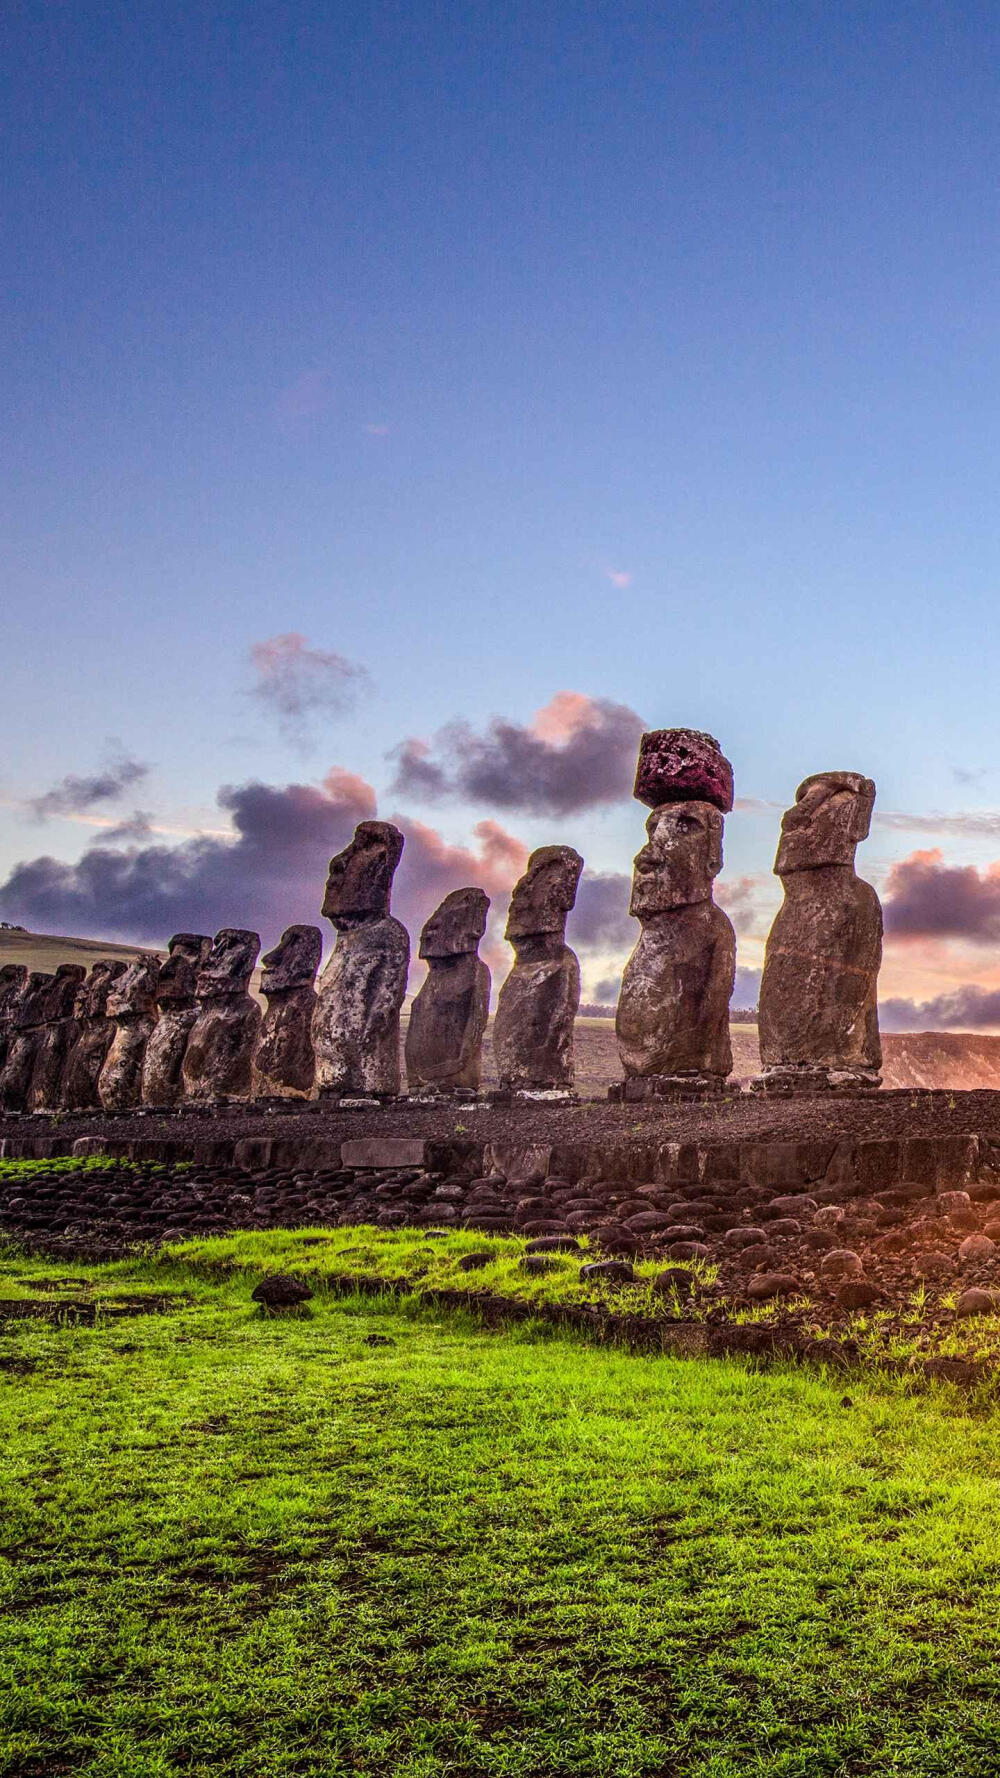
(383, 1151)
(784, 1163)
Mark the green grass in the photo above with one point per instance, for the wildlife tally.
(11, 1171)
(408, 1255)
(263, 1546)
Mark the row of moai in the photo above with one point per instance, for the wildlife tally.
(188, 1031)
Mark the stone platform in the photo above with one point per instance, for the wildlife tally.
(876, 1140)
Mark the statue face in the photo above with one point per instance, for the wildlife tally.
(177, 981)
(456, 927)
(294, 960)
(545, 894)
(680, 860)
(132, 996)
(13, 980)
(229, 965)
(359, 883)
(92, 995)
(63, 991)
(832, 811)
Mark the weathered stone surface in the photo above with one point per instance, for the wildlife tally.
(682, 765)
(978, 1302)
(131, 1004)
(95, 1031)
(674, 1278)
(976, 1249)
(444, 1039)
(818, 1010)
(766, 1285)
(474, 1262)
(280, 1291)
(13, 982)
(25, 1037)
(383, 1151)
(284, 1063)
(218, 1059)
(355, 1026)
(607, 1271)
(537, 1006)
(843, 1262)
(56, 1038)
(673, 1010)
(176, 990)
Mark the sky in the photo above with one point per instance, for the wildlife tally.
(406, 405)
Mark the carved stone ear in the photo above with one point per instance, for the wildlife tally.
(715, 843)
(864, 803)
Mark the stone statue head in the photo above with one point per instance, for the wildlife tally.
(294, 961)
(230, 963)
(177, 981)
(680, 860)
(62, 992)
(133, 995)
(92, 995)
(31, 1005)
(545, 894)
(456, 927)
(832, 811)
(359, 883)
(13, 981)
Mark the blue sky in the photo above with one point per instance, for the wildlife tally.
(644, 352)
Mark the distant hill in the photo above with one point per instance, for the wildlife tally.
(42, 951)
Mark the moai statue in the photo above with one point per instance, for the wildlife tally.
(672, 1022)
(537, 1005)
(284, 1065)
(444, 1039)
(176, 985)
(132, 1005)
(57, 1037)
(818, 1012)
(95, 1030)
(219, 1056)
(13, 981)
(356, 1022)
(24, 1041)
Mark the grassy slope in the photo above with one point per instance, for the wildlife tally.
(40, 951)
(262, 1547)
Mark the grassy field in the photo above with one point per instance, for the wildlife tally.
(38, 950)
(368, 1540)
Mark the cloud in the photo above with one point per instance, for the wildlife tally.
(376, 429)
(746, 993)
(430, 868)
(73, 794)
(738, 900)
(268, 875)
(137, 826)
(967, 1008)
(619, 577)
(607, 990)
(971, 821)
(577, 753)
(296, 683)
(924, 897)
(600, 921)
